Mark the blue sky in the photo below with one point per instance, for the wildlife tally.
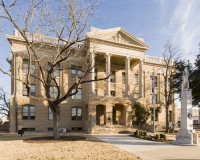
(156, 21)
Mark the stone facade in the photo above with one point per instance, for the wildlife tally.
(131, 83)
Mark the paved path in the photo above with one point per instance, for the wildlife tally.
(149, 150)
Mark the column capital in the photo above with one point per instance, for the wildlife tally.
(127, 58)
(141, 59)
(108, 54)
(92, 51)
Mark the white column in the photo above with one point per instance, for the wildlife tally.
(127, 74)
(108, 55)
(141, 78)
(92, 62)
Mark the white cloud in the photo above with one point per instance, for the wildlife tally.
(184, 24)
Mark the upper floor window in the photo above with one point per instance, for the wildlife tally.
(95, 74)
(32, 92)
(51, 114)
(76, 113)
(112, 93)
(168, 83)
(151, 81)
(53, 92)
(123, 94)
(123, 77)
(135, 95)
(78, 95)
(56, 72)
(28, 112)
(151, 99)
(104, 92)
(76, 72)
(96, 92)
(26, 64)
(112, 77)
(136, 79)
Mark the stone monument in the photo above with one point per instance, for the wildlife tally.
(186, 133)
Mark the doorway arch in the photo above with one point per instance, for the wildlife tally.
(100, 114)
(119, 114)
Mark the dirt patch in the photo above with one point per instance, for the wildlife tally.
(42, 146)
(52, 140)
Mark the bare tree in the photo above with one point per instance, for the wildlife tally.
(37, 21)
(170, 55)
(4, 104)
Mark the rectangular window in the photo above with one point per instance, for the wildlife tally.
(78, 95)
(28, 129)
(53, 92)
(51, 114)
(123, 94)
(32, 92)
(151, 81)
(112, 93)
(135, 95)
(56, 72)
(26, 64)
(28, 112)
(170, 116)
(151, 99)
(95, 74)
(76, 113)
(112, 77)
(76, 72)
(136, 79)
(104, 92)
(168, 83)
(96, 92)
(152, 115)
(50, 129)
(123, 77)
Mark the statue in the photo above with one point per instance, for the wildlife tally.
(185, 82)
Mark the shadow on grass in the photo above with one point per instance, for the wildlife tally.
(47, 137)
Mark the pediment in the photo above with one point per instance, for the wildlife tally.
(119, 35)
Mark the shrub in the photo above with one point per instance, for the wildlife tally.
(141, 136)
(162, 139)
(163, 136)
(157, 136)
(146, 136)
(145, 133)
(152, 139)
(137, 132)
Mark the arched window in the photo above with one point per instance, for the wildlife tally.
(28, 112)
(77, 113)
(51, 114)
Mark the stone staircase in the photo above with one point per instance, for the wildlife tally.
(112, 129)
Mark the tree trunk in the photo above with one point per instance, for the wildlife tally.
(55, 126)
(167, 115)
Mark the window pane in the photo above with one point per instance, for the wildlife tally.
(25, 68)
(136, 79)
(50, 116)
(79, 96)
(151, 80)
(32, 117)
(135, 95)
(50, 110)
(32, 114)
(32, 87)
(24, 90)
(32, 109)
(74, 113)
(25, 108)
(51, 89)
(123, 94)
(25, 113)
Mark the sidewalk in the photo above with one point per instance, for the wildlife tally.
(150, 150)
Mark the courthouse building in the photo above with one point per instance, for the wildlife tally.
(106, 102)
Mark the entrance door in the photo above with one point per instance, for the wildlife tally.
(100, 114)
(114, 116)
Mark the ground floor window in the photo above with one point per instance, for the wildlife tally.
(76, 128)
(28, 129)
(50, 129)
(76, 113)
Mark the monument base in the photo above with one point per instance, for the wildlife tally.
(185, 136)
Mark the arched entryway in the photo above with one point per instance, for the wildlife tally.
(119, 114)
(100, 115)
